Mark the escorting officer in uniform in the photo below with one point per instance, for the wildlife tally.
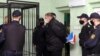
(2, 38)
(93, 43)
(15, 36)
(5, 22)
(55, 35)
(85, 32)
(39, 38)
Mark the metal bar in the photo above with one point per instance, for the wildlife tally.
(3, 15)
(32, 29)
(24, 1)
(9, 13)
(22, 16)
(32, 17)
(28, 7)
(37, 14)
(28, 32)
(7, 1)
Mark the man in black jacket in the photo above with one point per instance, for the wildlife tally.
(85, 32)
(55, 35)
(2, 38)
(39, 38)
(15, 36)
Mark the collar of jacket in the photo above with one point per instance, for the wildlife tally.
(86, 24)
(15, 21)
(98, 26)
(52, 20)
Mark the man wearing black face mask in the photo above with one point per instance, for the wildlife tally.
(85, 32)
(39, 39)
(92, 23)
(93, 43)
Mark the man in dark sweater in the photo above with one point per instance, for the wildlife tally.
(15, 36)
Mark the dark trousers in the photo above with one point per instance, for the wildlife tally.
(94, 55)
(54, 53)
(11, 53)
(41, 50)
(84, 52)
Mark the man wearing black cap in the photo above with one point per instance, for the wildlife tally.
(39, 39)
(93, 43)
(85, 32)
(15, 36)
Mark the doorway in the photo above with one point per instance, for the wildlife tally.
(67, 25)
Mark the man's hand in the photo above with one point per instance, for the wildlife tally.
(93, 36)
(0, 30)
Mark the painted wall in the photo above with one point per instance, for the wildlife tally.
(92, 1)
(60, 3)
(76, 27)
(1, 12)
(48, 6)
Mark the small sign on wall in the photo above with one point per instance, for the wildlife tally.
(75, 3)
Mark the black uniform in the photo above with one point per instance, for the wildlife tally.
(55, 37)
(93, 43)
(15, 39)
(39, 41)
(2, 37)
(84, 35)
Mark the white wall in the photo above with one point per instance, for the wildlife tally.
(60, 3)
(3, 0)
(76, 27)
(48, 6)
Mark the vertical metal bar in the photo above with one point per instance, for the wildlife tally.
(37, 14)
(22, 16)
(32, 30)
(9, 13)
(32, 17)
(7, 1)
(3, 15)
(28, 32)
(14, 9)
(26, 37)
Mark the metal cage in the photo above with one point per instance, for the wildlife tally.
(30, 16)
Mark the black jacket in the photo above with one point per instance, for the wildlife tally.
(85, 34)
(39, 36)
(94, 44)
(55, 35)
(2, 37)
(15, 36)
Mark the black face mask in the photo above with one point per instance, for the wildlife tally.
(41, 23)
(81, 22)
(92, 22)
